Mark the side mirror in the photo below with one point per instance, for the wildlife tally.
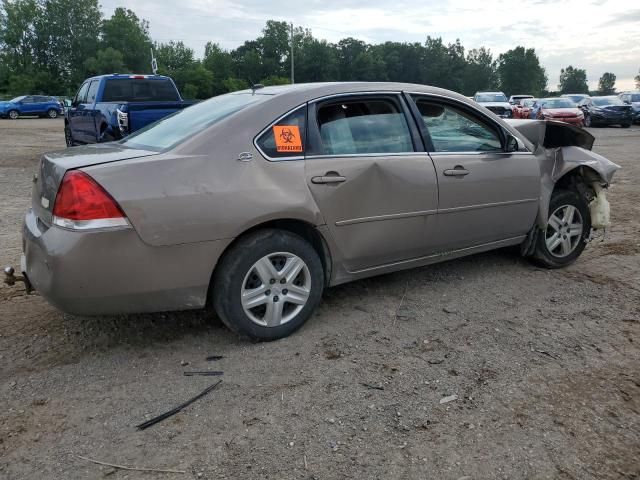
(511, 144)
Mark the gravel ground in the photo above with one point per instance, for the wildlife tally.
(545, 366)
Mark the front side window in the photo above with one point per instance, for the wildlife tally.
(93, 91)
(363, 126)
(82, 93)
(287, 137)
(454, 130)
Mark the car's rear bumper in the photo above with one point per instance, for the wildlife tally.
(113, 271)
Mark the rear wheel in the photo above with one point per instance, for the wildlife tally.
(568, 227)
(52, 113)
(13, 114)
(626, 125)
(587, 121)
(268, 285)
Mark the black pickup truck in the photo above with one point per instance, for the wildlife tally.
(109, 107)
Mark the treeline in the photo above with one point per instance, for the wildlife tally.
(50, 46)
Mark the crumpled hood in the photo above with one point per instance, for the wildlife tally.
(562, 112)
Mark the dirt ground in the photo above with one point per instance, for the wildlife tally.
(545, 364)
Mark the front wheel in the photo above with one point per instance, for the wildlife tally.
(52, 113)
(568, 228)
(626, 125)
(268, 285)
(68, 137)
(14, 114)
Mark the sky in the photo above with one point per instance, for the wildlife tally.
(596, 35)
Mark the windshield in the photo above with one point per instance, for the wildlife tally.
(528, 102)
(17, 99)
(558, 103)
(603, 101)
(490, 97)
(174, 129)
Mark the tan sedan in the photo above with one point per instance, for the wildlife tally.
(254, 202)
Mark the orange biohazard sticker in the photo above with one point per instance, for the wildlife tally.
(287, 138)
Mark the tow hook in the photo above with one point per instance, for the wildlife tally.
(10, 279)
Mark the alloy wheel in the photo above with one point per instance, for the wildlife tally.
(13, 115)
(53, 113)
(564, 231)
(276, 289)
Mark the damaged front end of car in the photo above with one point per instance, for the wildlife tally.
(567, 162)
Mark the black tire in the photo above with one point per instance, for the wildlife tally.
(237, 264)
(626, 125)
(68, 137)
(13, 114)
(542, 255)
(52, 113)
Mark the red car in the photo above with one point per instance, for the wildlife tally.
(561, 109)
(522, 109)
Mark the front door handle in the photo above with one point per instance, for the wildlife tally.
(457, 171)
(329, 177)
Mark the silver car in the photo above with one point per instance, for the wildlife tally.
(254, 202)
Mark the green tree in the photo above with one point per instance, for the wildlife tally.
(173, 56)
(220, 63)
(573, 80)
(520, 72)
(128, 34)
(108, 60)
(315, 60)
(607, 84)
(480, 72)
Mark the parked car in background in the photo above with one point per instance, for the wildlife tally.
(522, 109)
(561, 109)
(575, 97)
(515, 99)
(30, 105)
(633, 99)
(253, 202)
(608, 110)
(110, 107)
(496, 102)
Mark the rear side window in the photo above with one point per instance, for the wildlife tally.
(363, 126)
(287, 137)
(455, 130)
(93, 91)
(139, 90)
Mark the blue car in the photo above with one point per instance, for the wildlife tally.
(30, 105)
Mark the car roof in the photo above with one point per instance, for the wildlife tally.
(128, 75)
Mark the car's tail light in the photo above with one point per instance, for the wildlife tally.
(123, 121)
(82, 204)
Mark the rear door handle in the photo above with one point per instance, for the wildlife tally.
(328, 178)
(458, 171)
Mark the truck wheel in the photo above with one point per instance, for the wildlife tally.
(568, 228)
(268, 285)
(68, 137)
(52, 113)
(13, 114)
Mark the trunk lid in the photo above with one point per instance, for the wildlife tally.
(54, 165)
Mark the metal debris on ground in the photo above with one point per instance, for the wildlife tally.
(214, 358)
(207, 373)
(175, 410)
(124, 467)
(373, 387)
(448, 399)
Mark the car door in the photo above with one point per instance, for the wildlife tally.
(28, 106)
(40, 104)
(76, 113)
(374, 186)
(90, 112)
(486, 194)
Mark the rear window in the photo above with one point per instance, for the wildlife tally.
(604, 101)
(139, 90)
(176, 128)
